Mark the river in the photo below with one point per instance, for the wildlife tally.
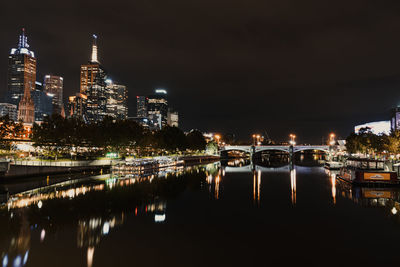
(230, 214)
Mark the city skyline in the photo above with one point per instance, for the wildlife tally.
(241, 74)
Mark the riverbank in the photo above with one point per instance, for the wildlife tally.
(35, 168)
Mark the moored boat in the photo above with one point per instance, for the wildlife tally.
(333, 165)
(367, 172)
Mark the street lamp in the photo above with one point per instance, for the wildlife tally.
(292, 139)
(256, 137)
(217, 138)
(332, 139)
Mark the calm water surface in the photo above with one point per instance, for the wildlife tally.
(213, 215)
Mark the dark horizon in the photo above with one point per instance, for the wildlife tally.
(231, 67)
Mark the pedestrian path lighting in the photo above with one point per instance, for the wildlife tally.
(292, 139)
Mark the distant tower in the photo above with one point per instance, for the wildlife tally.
(93, 85)
(21, 71)
(94, 50)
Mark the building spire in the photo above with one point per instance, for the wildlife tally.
(23, 40)
(94, 50)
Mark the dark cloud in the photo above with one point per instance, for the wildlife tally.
(310, 67)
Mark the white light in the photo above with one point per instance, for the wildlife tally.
(394, 211)
(40, 204)
(108, 81)
(161, 91)
(159, 218)
(377, 127)
(17, 261)
(42, 235)
(106, 228)
(25, 257)
(5, 260)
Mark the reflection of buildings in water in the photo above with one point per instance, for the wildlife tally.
(216, 177)
(293, 185)
(387, 199)
(90, 232)
(18, 251)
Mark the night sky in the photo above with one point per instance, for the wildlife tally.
(281, 66)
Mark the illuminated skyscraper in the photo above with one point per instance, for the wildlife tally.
(53, 86)
(10, 110)
(173, 118)
(157, 108)
(117, 100)
(21, 71)
(92, 84)
(77, 106)
(141, 105)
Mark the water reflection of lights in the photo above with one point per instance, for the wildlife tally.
(90, 254)
(257, 186)
(159, 217)
(217, 181)
(42, 235)
(333, 182)
(394, 211)
(5, 260)
(91, 230)
(293, 185)
(387, 199)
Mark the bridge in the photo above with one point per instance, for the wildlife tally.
(252, 150)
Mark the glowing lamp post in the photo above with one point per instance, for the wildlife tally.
(217, 137)
(292, 139)
(256, 139)
(332, 139)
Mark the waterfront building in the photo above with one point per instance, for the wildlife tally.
(395, 119)
(92, 84)
(21, 71)
(10, 110)
(173, 118)
(376, 127)
(157, 108)
(117, 100)
(43, 103)
(77, 106)
(53, 86)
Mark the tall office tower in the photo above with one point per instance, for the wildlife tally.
(157, 108)
(21, 71)
(173, 118)
(141, 106)
(93, 85)
(53, 86)
(77, 106)
(10, 110)
(43, 104)
(117, 100)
